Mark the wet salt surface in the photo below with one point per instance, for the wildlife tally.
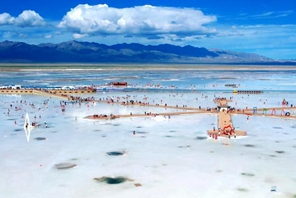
(192, 159)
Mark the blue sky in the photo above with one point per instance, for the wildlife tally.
(265, 27)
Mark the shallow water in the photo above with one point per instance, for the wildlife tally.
(168, 157)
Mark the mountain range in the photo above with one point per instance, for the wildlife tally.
(90, 52)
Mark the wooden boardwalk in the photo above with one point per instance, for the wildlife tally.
(55, 93)
(225, 126)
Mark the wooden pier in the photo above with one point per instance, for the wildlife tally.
(225, 126)
(56, 93)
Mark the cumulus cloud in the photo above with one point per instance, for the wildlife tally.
(27, 18)
(140, 20)
(6, 19)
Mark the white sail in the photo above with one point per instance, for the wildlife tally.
(27, 127)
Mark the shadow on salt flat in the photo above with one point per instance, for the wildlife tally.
(142, 132)
(116, 153)
(278, 127)
(201, 138)
(113, 180)
(40, 138)
(248, 174)
(11, 119)
(242, 189)
(62, 166)
(188, 146)
(250, 145)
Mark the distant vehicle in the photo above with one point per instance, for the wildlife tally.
(16, 87)
(119, 83)
(68, 87)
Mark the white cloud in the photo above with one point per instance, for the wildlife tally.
(273, 14)
(6, 19)
(8, 35)
(27, 18)
(79, 36)
(48, 36)
(140, 20)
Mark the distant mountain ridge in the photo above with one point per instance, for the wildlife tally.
(90, 52)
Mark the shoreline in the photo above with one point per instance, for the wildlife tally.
(10, 67)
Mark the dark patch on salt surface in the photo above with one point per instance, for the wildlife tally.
(250, 145)
(103, 136)
(242, 189)
(293, 127)
(141, 132)
(10, 119)
(277, 141)
(111, 180)
(248, 174)
(286, 133)
(172, 131)
(18, 130)
(116, 124)
(168, 136)
(277, 127)
(138, 127)
(201, 138)
(40, 138)
(138, 184)
(64, 166)
(280, 152)
(188, 146)
(97, 130)
(272, 155)
(116, 153)
(212, 124)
